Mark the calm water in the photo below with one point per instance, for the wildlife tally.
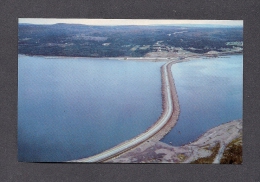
(74, 108)
(209, 92)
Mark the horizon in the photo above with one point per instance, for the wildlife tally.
(125, 22)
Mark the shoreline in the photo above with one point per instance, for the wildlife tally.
(211, 147)
(153, 59)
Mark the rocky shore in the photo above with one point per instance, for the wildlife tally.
(222, 144)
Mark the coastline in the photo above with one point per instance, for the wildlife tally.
(188, 56)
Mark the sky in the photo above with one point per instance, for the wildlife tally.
(129, 21)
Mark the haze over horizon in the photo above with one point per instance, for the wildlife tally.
(110, 22)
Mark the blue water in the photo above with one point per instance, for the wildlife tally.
(70, 108)
(210, 94)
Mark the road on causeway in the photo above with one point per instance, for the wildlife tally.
(160, 123)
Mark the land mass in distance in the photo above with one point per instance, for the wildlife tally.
(127, 41)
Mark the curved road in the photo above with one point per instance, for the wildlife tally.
(129, 144)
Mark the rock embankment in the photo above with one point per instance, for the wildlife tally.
(176, 108)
